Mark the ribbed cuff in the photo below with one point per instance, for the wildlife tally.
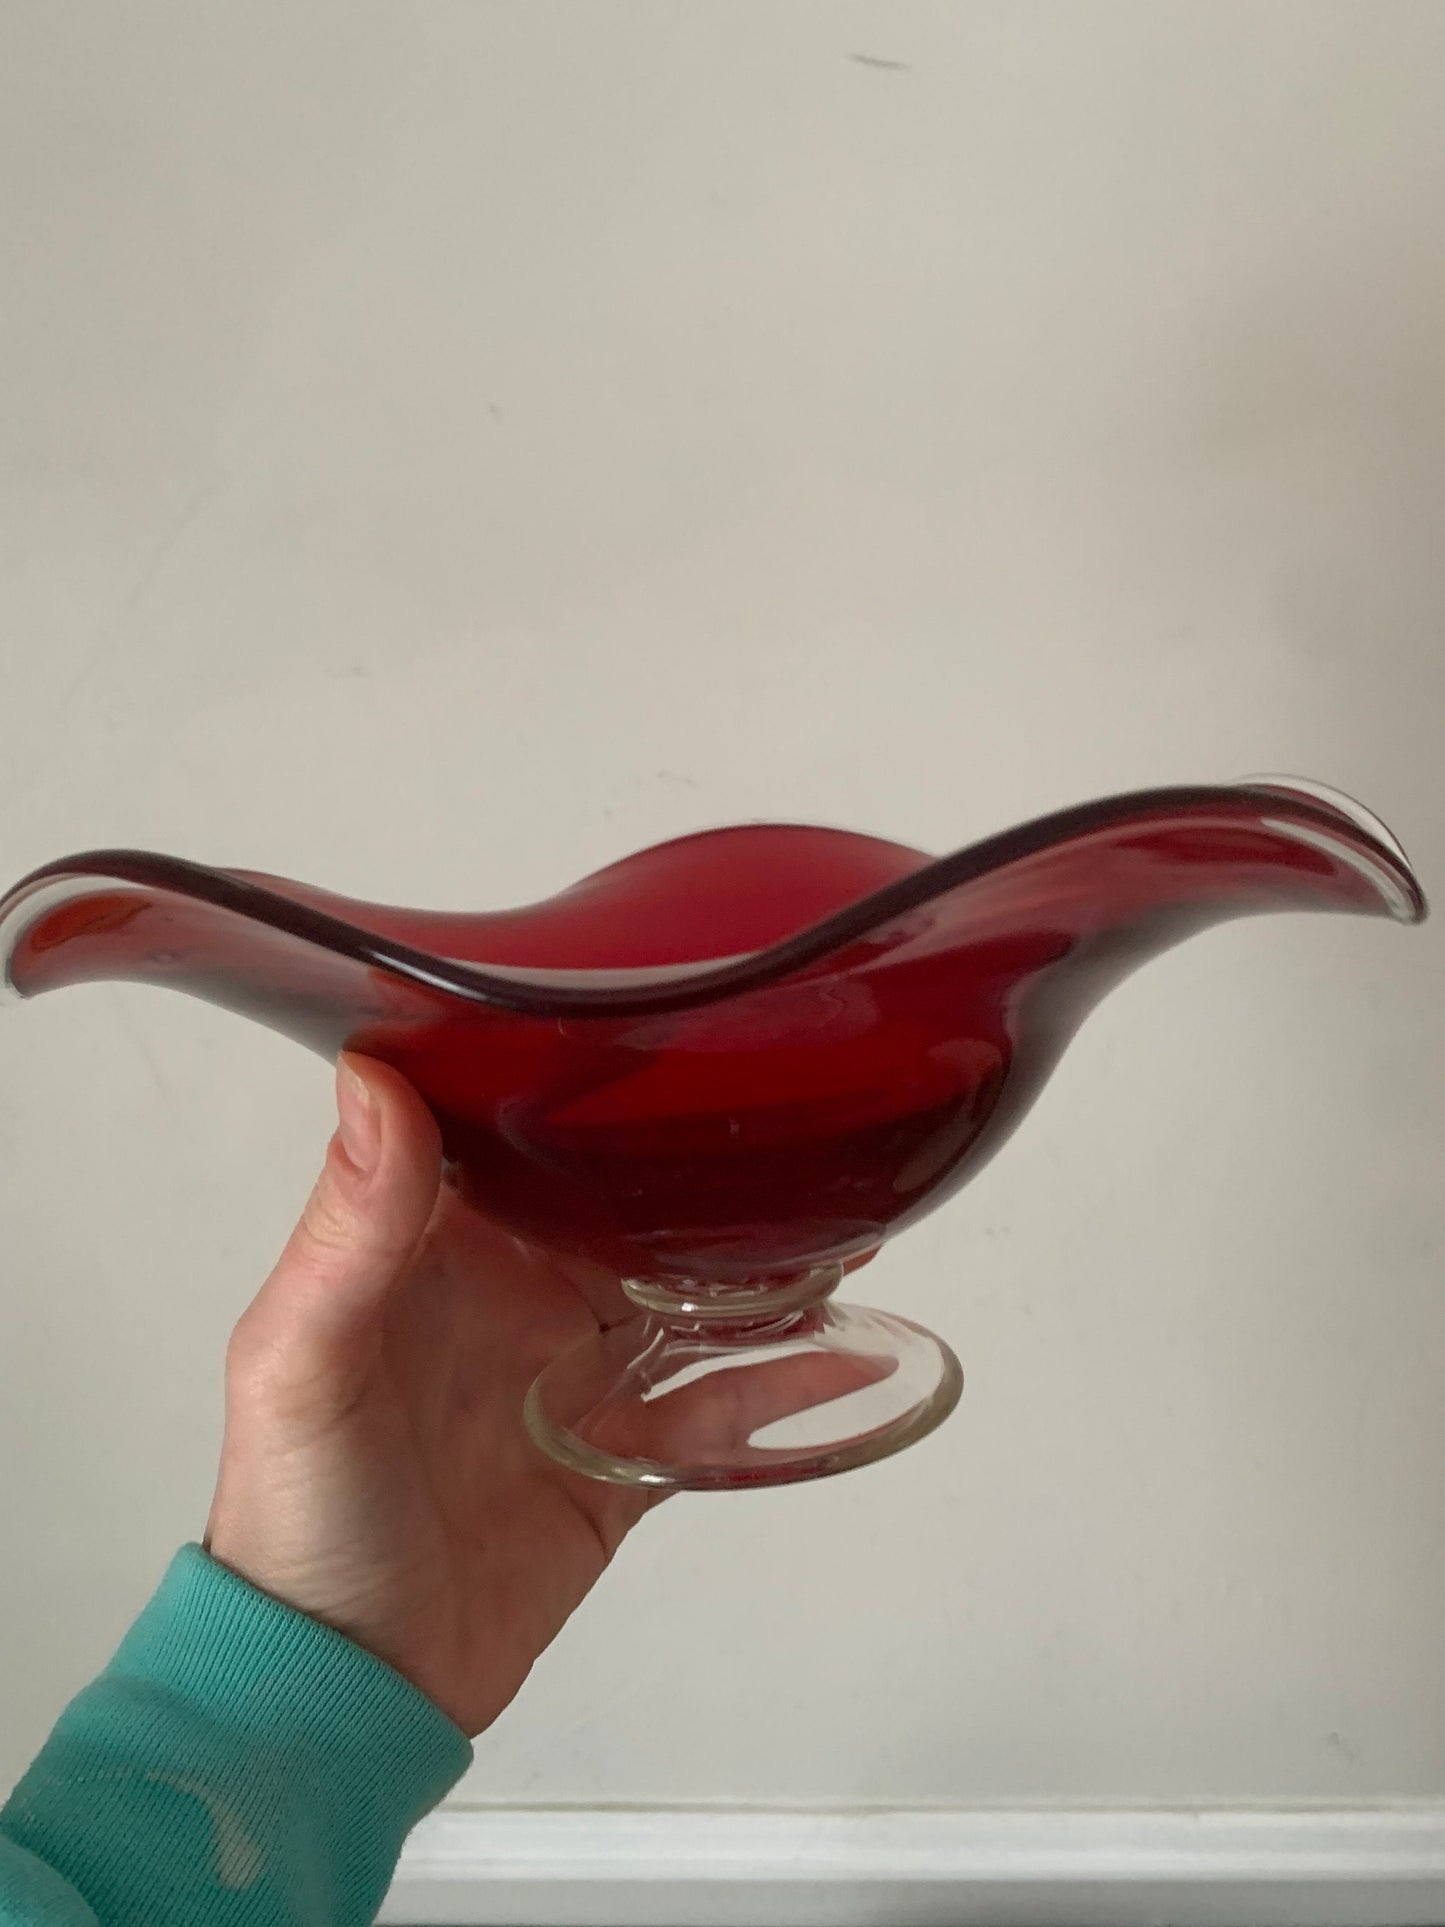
(235, 1763)
(269, 1671)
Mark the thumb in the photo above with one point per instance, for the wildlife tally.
(320, 1308)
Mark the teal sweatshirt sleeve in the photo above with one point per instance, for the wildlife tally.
(236, 1765)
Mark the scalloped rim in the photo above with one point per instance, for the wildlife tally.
(627, 993)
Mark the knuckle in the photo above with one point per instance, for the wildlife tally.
(325, 1222)
(250, 1352)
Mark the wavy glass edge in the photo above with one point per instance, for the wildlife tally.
(1316, 818)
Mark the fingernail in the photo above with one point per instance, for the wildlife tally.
(360, 1127)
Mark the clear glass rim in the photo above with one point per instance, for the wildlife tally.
(784, 1467)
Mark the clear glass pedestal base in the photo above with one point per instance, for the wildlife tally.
(715, 1393)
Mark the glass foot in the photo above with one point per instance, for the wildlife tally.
(679, 1404)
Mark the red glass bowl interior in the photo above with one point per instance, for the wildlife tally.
(741, 1054)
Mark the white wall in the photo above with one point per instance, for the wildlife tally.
(446, 446)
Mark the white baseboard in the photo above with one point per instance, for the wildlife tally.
(1381, 1866)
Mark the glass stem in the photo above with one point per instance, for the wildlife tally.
(697, 1303)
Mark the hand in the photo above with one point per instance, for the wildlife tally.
(375, 1472)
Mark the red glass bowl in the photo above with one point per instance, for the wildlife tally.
(727, 1068)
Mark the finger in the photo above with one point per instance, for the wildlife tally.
(361, 1226)
(715, 1419)
(728, 1409)
(695, 1403)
